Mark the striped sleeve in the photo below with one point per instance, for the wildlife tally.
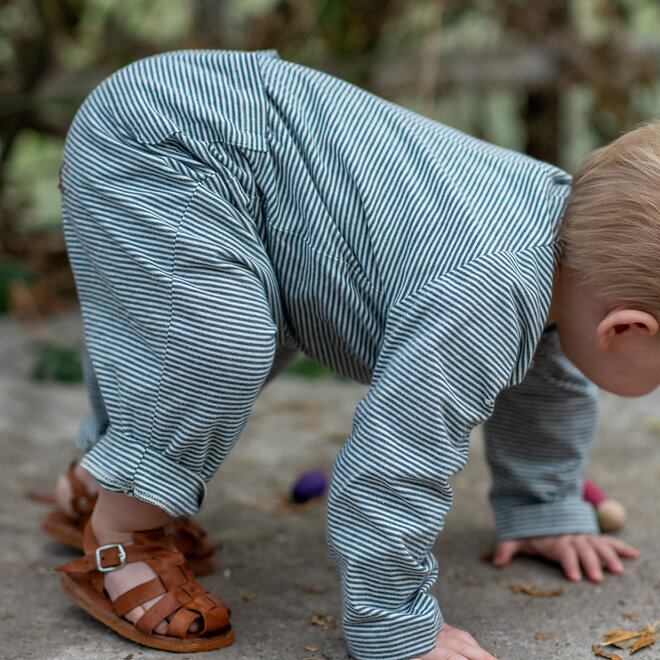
(537, 444)
(449, 349)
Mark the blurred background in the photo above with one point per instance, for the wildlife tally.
(552, 78)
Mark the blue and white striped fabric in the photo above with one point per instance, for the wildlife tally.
(224, 209)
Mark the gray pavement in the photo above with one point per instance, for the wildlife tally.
(273, 566)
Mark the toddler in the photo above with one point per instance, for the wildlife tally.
(224, 210)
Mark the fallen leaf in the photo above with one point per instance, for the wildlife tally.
(647, 639)
(541, 638)
(531, 590)
(632, 639)
(611, 656)
(615, 636)
(653, 425)
(311, 648)
(323, 621)
(314, 590)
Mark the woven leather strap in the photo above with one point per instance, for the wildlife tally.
(184, 599)
(82, 501)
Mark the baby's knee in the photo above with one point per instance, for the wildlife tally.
(240, 360)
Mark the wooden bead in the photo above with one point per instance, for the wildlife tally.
(611, 515)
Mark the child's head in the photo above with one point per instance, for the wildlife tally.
(607, 293)
(610, 231)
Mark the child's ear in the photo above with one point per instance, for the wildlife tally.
(625, 322)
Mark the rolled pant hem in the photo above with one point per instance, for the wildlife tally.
(150, 476)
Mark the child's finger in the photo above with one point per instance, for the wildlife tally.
(504, 552)
(610, 557)
(623, 548)
(568, 559)
(589, 559)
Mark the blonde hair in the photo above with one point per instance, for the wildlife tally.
(610, 232)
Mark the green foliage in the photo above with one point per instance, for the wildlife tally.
(307, 368)
(10, 271)
(54, 52)
(59, 363)
(31, 181)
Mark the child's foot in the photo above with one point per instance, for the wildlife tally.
(124, 579)
(138, 584)
(114, 520)
(76, 492)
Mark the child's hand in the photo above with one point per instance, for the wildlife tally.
(454, 644)
(571, 551)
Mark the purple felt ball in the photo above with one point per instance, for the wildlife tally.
(310, 484)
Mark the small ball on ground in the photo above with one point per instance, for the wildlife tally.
(611, 515)
(309, 485)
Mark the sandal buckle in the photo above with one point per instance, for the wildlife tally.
(122, 557)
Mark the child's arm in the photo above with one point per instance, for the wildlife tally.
(448, 350)
(537, 443)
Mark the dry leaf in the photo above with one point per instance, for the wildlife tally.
(632, 639)
(647, 639)
(323, 621)
(611, 656)
(531, 590)
(541, 638)
(314, 590)
(311, 648)
(616, 636)
(653, 425)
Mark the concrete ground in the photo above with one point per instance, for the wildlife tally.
(273, 566)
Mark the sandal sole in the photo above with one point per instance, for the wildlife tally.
(57, 525)
(101, 609)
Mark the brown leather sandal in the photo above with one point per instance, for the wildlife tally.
(185, 600)
(189, 537)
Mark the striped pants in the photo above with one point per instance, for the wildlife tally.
(178, 299)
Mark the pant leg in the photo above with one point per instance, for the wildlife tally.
(177, 299)
(93, 427)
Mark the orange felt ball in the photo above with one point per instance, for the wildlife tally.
(611, 515)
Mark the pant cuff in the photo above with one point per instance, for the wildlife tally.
(141, 472)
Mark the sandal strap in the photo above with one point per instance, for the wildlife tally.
(214, 613)
(191, 539)
(184, 598)
(108, 558)
(185, 608)
(82, 501)
(181, 622)
(138, 595)
(158, 612)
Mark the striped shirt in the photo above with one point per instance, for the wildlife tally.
(222, 209)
